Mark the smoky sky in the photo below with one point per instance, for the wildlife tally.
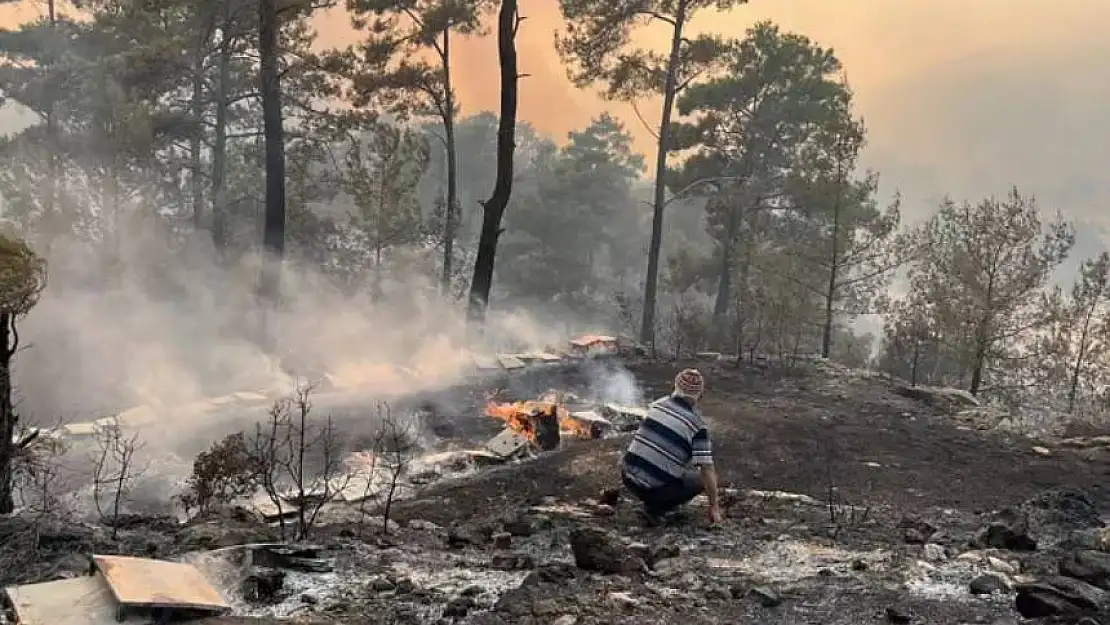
(961, 98)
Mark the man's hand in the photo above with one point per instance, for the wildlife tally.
(715, 514)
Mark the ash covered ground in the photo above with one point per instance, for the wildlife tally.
(850, 499)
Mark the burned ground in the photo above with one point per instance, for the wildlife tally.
(798, 433)
(847, 502)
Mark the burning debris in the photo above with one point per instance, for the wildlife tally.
(543, 423)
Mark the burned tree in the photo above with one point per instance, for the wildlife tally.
(22, 279)
(114, 471)
(297, 462)
(508, 23)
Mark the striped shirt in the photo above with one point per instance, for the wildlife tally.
(670, 439)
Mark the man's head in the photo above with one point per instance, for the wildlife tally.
(689, 383)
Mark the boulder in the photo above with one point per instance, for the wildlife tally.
(988, 584)
(1059, 596)
(1092, 567)
(603, 552)
(1008, 530)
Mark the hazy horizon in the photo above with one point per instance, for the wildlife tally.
(959, 99)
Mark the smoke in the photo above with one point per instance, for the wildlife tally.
(612, 383)
(164, 327)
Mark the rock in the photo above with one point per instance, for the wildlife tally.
(718, 593)
(421, 525)
(520, 527)
(1054, 516)
(935, 553)
(566, 619)
(1097, 539)
(602, 552)
(304, 559)
(916, 531)
(459, 606)
(859, 565)
(1090, 566)
(557, 574)
(263, 585)
(988, 584)
(667, 547)
(1009, 530)
(461, 536)
(623, 598)
(895, 615)
(503, 540)
(472, 591)
(1002, 566)
(382, 585)
(1057, 595)
(604, 510)
(1042, 451)
(512, 562)
(72, 565)
(948, 400)
(767, 597)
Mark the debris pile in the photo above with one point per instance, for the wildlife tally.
(544, 422)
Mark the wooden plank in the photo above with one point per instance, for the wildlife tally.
(142, 583)
(77, 601)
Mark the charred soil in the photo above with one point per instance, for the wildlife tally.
(847, 502)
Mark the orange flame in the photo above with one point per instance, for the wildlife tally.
(520, 417)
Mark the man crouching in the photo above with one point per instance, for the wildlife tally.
(670, 460)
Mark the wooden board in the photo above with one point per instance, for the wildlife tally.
(77, 601)
(142, 583)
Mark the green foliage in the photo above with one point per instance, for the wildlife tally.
(225, 472)
(597, 44)
(571, 212)
(981, 275)
(22, 276)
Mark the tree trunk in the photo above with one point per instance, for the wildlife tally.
(219, 146)
(449, 225)
(670, 86)
(724, 280)
(50, 209)
(977, 372)
(492, 211)
(8, 419)
(273, 233)
(834, 267)
(195, 180)
(913, 363)
(1073, 387)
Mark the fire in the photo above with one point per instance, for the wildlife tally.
(521, 417)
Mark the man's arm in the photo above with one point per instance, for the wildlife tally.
(702, 457)
(709, 482)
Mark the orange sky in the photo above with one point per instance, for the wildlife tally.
(960, 96)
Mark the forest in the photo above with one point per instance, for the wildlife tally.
(175, 146)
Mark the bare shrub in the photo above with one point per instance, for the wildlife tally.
(298, 462)
(398, 444)
(841, 515)
(225, 472)
(114, 470)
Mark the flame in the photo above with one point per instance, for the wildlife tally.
(520, 416)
